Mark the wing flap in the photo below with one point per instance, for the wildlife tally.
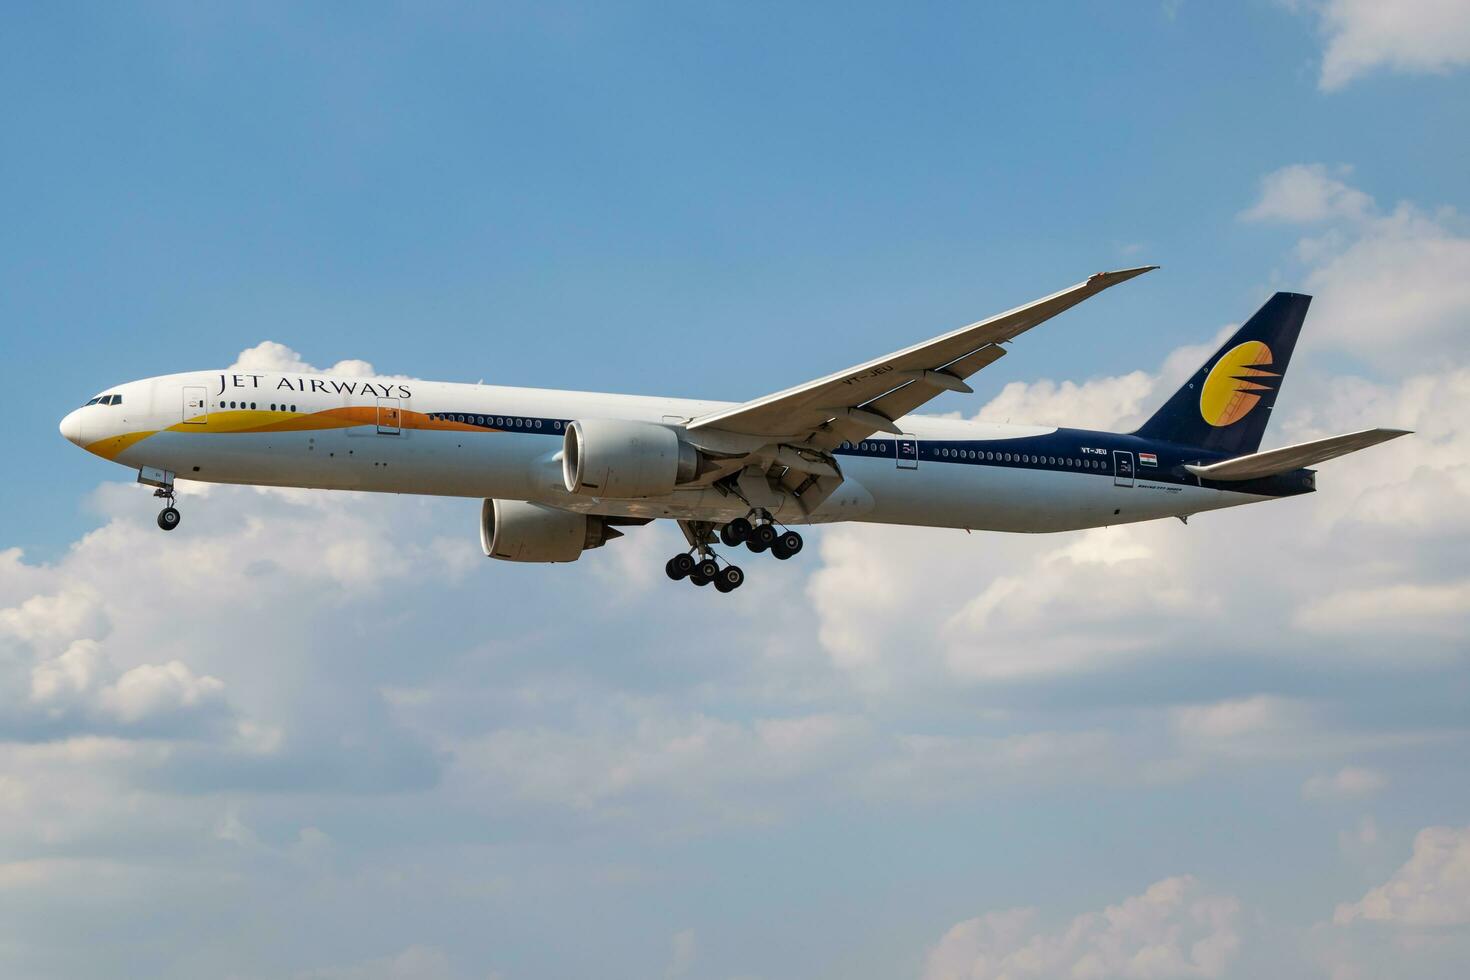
(1288, 458)
(901, 401)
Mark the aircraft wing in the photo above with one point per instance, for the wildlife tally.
(853, 404)
(1289, 458)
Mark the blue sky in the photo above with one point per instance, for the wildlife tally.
(316, 735)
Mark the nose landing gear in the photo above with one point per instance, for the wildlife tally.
(162, 482)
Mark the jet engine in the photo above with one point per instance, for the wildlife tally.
(622, 459)
(516, 530)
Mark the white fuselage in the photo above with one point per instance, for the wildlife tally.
(406, 436)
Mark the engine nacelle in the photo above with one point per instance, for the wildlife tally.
(622, 459)
(516, 530)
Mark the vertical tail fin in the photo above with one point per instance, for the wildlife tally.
(1226, 404)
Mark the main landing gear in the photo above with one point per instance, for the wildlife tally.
(702, 566)
(706, 571)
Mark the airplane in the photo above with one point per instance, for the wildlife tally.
(561, 472)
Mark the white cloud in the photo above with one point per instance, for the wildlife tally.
(1394, 288)
(1395, 610)
(1265, 728)
(1174, 929)
(1239, 718)
(1367, 558)
(1349, 782)
(1362, 838)
(638, 753)
(1431, 890)
(1389, 286)
(412, 963)
(1415, 36)
(1097, 404)
(1057, 614)
(151, 689)
(271, 356)
(683, 949)
(1308, 192)
(673, 727)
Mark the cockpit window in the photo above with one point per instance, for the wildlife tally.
(105, 400)
(116, 400)
(92, 402)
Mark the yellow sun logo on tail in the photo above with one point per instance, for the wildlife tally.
(1229, 391)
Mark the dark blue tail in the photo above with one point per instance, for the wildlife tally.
(1226, 405)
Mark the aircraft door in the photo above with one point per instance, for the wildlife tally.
(196, 404)
(906, 450)
(1122, 469)
(390, 416)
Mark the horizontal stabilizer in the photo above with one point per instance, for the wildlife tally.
(1288, 458)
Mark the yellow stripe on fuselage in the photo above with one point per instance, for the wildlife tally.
(254, 420)
(113, 446)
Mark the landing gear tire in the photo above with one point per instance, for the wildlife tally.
(761, 538)
(168, 518)
(787, 545)
(730, 536)
(739, 529)
(708, 570)
(729, 579)
(679, 567)
(698, 579)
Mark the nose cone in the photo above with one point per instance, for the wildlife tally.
(71, 428)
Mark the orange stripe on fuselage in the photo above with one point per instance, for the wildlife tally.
(331, 418)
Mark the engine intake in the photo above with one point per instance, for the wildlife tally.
(622, 459)
(517, 530)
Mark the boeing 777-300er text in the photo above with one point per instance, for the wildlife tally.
(564, 471)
